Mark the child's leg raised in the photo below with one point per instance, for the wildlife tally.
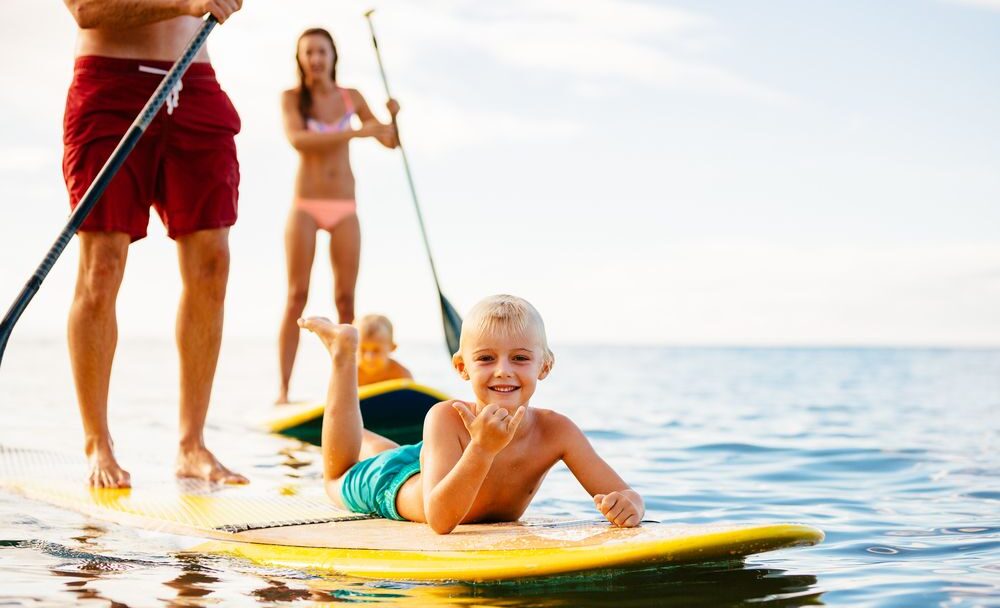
(343, 430)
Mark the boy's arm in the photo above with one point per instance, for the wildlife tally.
(452, 476)
(618, 502)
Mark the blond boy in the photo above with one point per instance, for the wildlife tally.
(479, 461)
(375, 348)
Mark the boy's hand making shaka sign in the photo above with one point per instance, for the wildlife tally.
(491, 427)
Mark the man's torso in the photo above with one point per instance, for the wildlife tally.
(163, 40)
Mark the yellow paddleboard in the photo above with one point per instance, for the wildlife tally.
(308, 533)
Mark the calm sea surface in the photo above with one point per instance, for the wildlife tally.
(894, 453)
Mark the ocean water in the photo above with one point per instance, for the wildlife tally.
(894, 453)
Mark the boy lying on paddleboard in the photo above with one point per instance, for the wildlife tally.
(375, 348)
(479, 461)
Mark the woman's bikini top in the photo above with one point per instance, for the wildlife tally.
(334, 127)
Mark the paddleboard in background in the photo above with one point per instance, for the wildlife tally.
(267, 527)
(393, 409)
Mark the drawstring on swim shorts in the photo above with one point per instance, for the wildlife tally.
(174, 97)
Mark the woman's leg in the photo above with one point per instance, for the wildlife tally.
(345, 256)
(300, 248)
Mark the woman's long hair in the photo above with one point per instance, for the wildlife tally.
(305, 95)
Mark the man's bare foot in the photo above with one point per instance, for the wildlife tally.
(282, 399)
(338, 339)
(104, 469)
(199, 463)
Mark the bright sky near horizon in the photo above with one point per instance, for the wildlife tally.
(658, 172)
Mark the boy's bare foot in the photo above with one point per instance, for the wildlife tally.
(199, 463)
(338, 339)
(104, 469)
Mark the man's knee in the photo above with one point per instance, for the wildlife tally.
(207, 263)
(102, 264)
(214, 268)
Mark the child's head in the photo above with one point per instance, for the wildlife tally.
(503, 351)
(375, 344)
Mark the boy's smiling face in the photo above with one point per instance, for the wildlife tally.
(374, 351)
(503, 367)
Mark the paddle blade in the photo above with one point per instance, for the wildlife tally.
(452, 324)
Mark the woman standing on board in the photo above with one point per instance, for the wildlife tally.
(317, 117)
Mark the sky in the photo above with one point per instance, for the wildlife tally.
(724, 173)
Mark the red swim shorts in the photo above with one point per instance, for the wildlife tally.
(184, 165)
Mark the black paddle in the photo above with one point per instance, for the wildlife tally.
(451, 318)
(100, 182)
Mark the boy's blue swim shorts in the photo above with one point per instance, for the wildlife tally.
(371, 485)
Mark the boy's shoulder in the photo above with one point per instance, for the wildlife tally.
(551, 421)
(444, 410)
(548, 416)
(399, 370)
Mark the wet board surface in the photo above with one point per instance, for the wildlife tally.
(306, 532)
(394, 409)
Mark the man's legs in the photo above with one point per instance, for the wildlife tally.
(204, 265)
(93, 334)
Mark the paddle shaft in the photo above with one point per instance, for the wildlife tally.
(452, 321)
(102, 180)
(406, 162)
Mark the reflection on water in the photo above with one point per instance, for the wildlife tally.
(277, 590)
(193, 583)
(893, 453)
(705, 585)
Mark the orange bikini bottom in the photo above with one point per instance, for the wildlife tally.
(327, 212)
